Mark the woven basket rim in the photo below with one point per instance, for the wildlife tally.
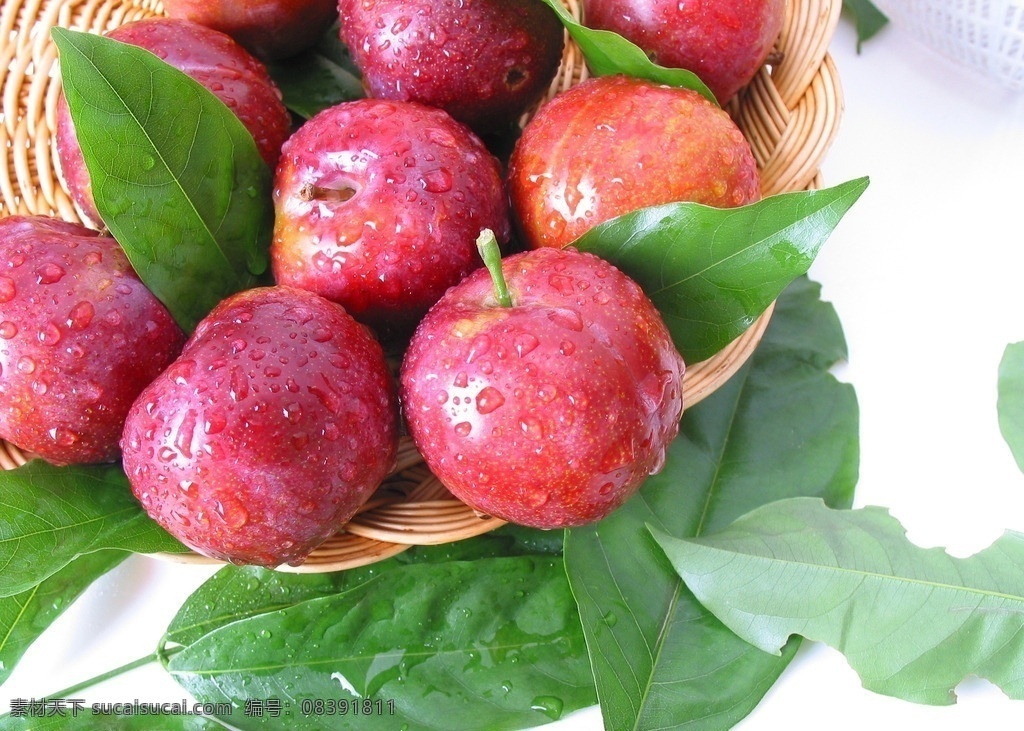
(789, 114)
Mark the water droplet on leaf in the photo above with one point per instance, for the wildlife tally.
(551, 706)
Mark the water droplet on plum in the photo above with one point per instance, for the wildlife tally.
(547, 393)
(561, 284)
(438, 180)
(81, 315)
(293, 413)
(327, 395)
(215, 423)
(620, 454)
(480, 345)
(49, 334)
(8, 290)
(232, 512)
(63, 437)
(49, 273)
(186, 431)
(532, 427)
(89, 390)
(239, 388)
(489, 400)
(525, 343)
(538, 498)
(568, 318)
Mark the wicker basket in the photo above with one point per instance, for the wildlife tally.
(986, 36)
(789, 113)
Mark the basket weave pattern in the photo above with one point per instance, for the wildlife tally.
(789, 113)
(984, 35)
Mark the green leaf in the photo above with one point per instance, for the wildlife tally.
(24, 616)
(50, 515)
(711, 272)
(1010, 402)
(318, 78)
(488, 644)
(176, 177)
(609, 53)
(912, 622)
(783, 426)
(867, 18)
(240, 592)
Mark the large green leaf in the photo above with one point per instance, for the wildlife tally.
(781, 427)
(609, 53)
(50, 515)
(1010, 402)
(25, 616)
(176, 177)
(239, 592)
(711, 272)
(494, 643)
(912, 622)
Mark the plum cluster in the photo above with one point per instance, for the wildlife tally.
(543, 391)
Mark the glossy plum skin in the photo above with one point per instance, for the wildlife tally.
(485, 62)
(80, 337)
(550, 413)
(378, 205)
(264, 437)
(214, 60)
(269, 29)
(724, 42)
(614, 144)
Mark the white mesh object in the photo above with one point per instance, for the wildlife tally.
(986, 35)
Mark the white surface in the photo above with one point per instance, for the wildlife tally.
(926, 275)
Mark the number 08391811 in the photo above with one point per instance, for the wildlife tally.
(346, 707)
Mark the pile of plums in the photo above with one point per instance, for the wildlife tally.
(541, 391)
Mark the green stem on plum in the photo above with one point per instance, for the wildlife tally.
(487, 245)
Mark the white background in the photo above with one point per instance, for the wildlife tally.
(925, 273)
